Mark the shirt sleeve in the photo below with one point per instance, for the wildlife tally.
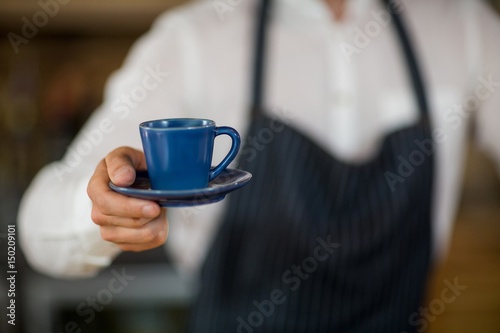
(58, 236)
(487, 89)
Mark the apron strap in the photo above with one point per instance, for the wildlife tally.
(258, 80)
(259, 70)
(411, 60)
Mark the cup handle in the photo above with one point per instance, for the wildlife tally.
(235, 147)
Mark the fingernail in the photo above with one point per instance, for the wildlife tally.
(122, 173)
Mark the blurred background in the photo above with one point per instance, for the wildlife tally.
(48, 89)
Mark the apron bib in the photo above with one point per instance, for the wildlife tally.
(314, 244)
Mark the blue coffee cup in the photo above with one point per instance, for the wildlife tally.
(179, 152)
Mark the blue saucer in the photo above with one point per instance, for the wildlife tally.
(229, 180)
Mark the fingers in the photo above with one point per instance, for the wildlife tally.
(121, 164)
(107, 203)
(118, 221)
(150, 235)
(131, 223)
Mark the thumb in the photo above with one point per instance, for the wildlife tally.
(121, 165)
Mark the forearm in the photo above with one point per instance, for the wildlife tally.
(57, 234)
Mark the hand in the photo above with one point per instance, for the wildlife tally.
(133, 224)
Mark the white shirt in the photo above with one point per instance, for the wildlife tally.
(345, 84)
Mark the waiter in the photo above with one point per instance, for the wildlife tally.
(335, 232)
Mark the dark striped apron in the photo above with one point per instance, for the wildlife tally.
(314, 244)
